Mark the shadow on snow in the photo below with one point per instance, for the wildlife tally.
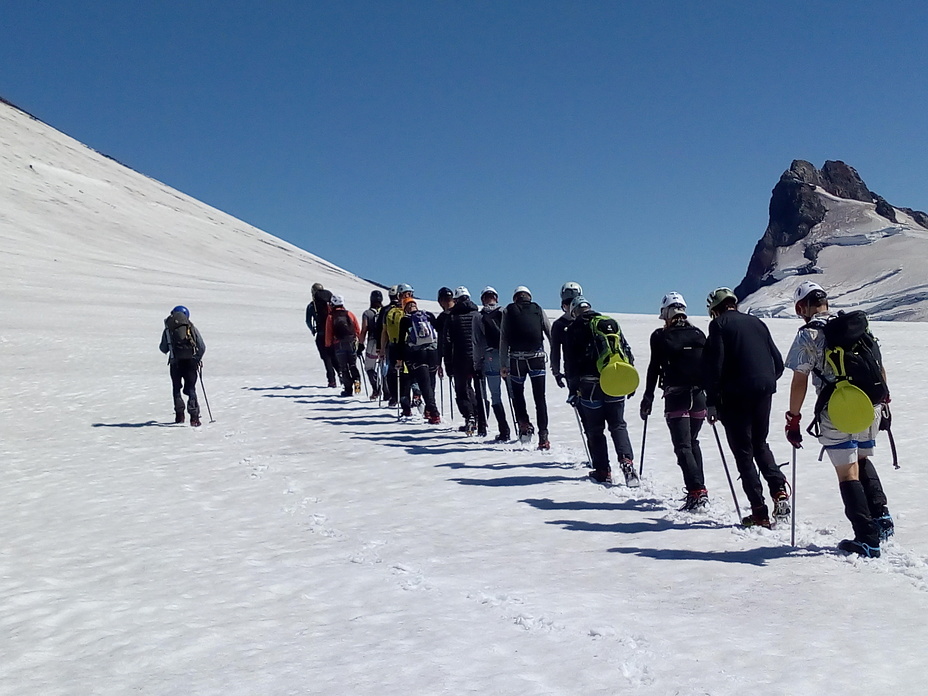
(757, 557)
(146, 424)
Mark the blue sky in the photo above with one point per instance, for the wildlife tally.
(629, 146)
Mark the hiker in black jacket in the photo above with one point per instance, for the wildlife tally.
(521, 349)
(486, 357)
(317, 312)
(185, 349)
(417, 355)
(597, 409)
(741, 366)
(459, 351)
(676, 366)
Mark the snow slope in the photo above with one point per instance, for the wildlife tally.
(306, 544)
(865, 262)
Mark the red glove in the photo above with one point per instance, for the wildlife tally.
(793, 433)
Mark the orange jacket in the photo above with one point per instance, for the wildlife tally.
(330, 340)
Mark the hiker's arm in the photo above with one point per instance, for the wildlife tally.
(797, 391)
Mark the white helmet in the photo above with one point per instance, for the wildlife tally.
(570, 290)
(519, 289)
(578, 305)
(460, 291)
(489, 290)
(338, 301)
(806, 288)
(672, 298)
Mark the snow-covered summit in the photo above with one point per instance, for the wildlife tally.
(831, 229)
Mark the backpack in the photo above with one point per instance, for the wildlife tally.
(421, 334)
(682, 365)
(853, 354)
(524, 322)
(180, 336)
(342, 327)
(491, 323)
(617, 376)
(392, 323)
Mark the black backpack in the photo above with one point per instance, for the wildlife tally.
(491, 323)
(342, 327)
(853, 354)
(180, 336)
(682, 358)
(524, 322)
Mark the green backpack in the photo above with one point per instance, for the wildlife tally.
(617, 376)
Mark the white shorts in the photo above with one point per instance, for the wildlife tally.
(846, 449)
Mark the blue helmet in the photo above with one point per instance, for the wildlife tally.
(182, 309)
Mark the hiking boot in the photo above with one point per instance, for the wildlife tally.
(859, 547)
(695, 501)
(543, 443)
(759, 517)
(391, 403)
(502, 437)
(470, 427)
(347, 391)
(885, 525)
(407, 412)
(600, 477)
(195, 421)
(178, 416)
(482, 433)
(416, 400)
(357, 387)
(332, 383)
(630, 473)
(375, 395)
(434, 418)
(526, 430)
(781, 504)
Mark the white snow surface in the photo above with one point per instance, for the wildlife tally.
(866, 262)
(301, 543)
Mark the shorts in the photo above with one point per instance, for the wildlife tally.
(843, 448)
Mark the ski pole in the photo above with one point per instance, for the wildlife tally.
(586, 445)
(451, 395)
(379, 367)
(205, 398)
(512, 409)
(792, 525)
(441, 392)
(727, 474)
(644, 435)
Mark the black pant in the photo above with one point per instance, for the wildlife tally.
(685, 411)
(534, 369)
(346, 358)
(421, 369)
(184, 378)
(465, 395)
(391, 382)
(596, 411)
(328, 358)
(747, 423)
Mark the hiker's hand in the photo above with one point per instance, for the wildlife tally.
(712, 414)
(360, 350)
(793, 433)
(559, 378)
(573, 399)
(440, 373)
(886, 399)
(645, 408)
(504, 372)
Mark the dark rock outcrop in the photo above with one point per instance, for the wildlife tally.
(917, 215)
(843, 181)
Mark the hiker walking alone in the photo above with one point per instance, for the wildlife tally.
(317, 311)
(369, 342)
(860, 486)
(185, 349)
(597, 409)
(523, 328)
(741, 366)
(676, 367)
(417, 352)
(342, 333)
(486, 357)
(459, 348)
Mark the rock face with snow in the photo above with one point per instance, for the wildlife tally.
(827, 223)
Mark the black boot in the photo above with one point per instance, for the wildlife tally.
(870, 480)
(500, 412)
(858, 512)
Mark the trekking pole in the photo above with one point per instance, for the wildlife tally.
(644, 435)
(512, 409)
(586, 445)
(379, 368)
(727, 474)
(205, 397)
(886, 423)
(792, 525)
(451, 395)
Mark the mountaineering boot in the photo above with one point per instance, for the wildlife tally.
(781, 509)
(195, 421)
(857, 511)
(433, 417)
(602, 477)
(543, 443)
(695, 501)
(375, 395)
(178, 416)
(759, 517)
(526, 431)
(858, 547)
(885, 526)
(500, 414)
(630, 473)
(470, 427)
(332, 383)
(347, 391)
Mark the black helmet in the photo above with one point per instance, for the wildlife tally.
(376, 296)
(445, 292)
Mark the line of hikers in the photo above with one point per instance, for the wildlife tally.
(728, 376)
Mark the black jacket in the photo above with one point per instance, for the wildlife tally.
(459, 346)
(740, 359)
(676, 357)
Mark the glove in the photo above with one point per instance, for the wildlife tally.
(645, 409)
(712, 414)
(886, 399)
(559, 378)
(793, 433)
(574, 399)
(886, 417)
(360, 350)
